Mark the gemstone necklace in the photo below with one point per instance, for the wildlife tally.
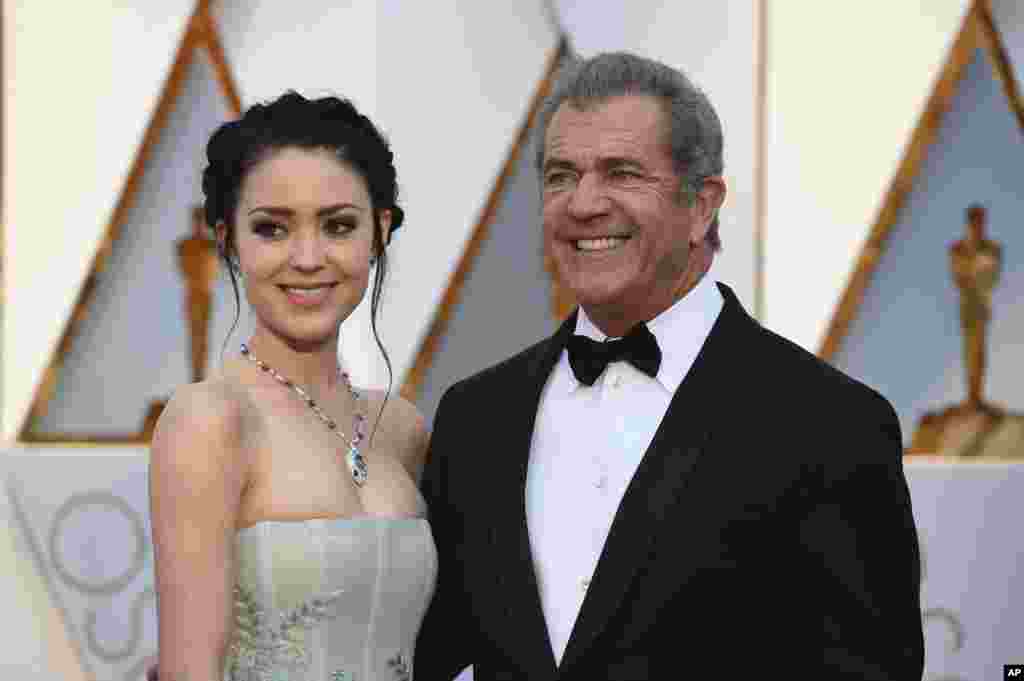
(353, 458)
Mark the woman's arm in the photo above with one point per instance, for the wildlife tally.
(196, 478)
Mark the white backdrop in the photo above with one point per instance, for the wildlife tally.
(972, 591)
(87, 532)
(80, 521)
(73, 129)
(828, 151)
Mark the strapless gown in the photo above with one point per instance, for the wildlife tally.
(330, 600)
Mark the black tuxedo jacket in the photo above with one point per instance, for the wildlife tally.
(767, 530)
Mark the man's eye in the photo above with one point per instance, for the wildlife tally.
(557, 178)
(625, 173)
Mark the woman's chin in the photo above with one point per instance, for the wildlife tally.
(307, 338)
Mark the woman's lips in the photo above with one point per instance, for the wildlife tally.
(306, 296)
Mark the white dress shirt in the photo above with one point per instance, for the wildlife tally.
(587, 444)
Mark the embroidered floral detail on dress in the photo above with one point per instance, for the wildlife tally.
(400, 666)
(262, 652)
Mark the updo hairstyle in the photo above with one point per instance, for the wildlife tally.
(292, 121)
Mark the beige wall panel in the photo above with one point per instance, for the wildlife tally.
(846, 85)
(80, 85)
(317, 47)
(718, 50)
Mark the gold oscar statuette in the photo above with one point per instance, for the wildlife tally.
(197, 260)
(975, 428)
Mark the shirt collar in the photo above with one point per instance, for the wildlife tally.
(681, 331)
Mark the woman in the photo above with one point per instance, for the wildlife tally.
(290, 542)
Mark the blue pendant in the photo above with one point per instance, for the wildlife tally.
(357, 466)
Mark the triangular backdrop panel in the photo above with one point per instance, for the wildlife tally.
(132, 345)
(905, 340)
(453, 99)
(448, 82)
(846, 85)
(1008, 16)
(79, 96)
(720, 54)
(505, 301)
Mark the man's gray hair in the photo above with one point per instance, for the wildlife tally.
(695, 132)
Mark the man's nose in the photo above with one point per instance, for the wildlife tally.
(588, 198)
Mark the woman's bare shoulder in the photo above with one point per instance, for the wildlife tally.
(400, 429)
(202, 423)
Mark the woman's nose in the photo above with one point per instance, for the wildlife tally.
(307, 252)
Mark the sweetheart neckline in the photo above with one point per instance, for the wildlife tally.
(350, 520)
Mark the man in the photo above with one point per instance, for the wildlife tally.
(697, 499)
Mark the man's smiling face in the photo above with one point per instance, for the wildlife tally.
(616, 221)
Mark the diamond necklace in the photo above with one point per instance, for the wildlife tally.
(353, 458)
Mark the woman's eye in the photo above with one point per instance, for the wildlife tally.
(266, 228)
(340, 226)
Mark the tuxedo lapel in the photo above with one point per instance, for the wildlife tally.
(526, 634)
(682, 438)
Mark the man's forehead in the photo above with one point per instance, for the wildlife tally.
(609, 126)
(627, 102)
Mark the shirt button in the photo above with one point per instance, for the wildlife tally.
(584, 585)
(601, 482)
(616, 380)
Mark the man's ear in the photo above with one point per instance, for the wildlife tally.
(706, 203)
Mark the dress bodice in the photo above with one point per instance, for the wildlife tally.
(330, 599)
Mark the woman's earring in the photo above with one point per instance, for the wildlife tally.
(373, 260)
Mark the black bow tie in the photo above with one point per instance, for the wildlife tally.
(588, 358)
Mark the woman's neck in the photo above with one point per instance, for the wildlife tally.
(313, 368)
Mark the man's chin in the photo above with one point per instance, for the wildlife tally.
(598, 298)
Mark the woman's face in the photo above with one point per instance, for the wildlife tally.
(304, 237)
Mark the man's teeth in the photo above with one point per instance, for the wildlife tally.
(600, 244)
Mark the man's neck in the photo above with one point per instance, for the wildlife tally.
(615, 322)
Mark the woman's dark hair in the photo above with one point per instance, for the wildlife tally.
(292, 121)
